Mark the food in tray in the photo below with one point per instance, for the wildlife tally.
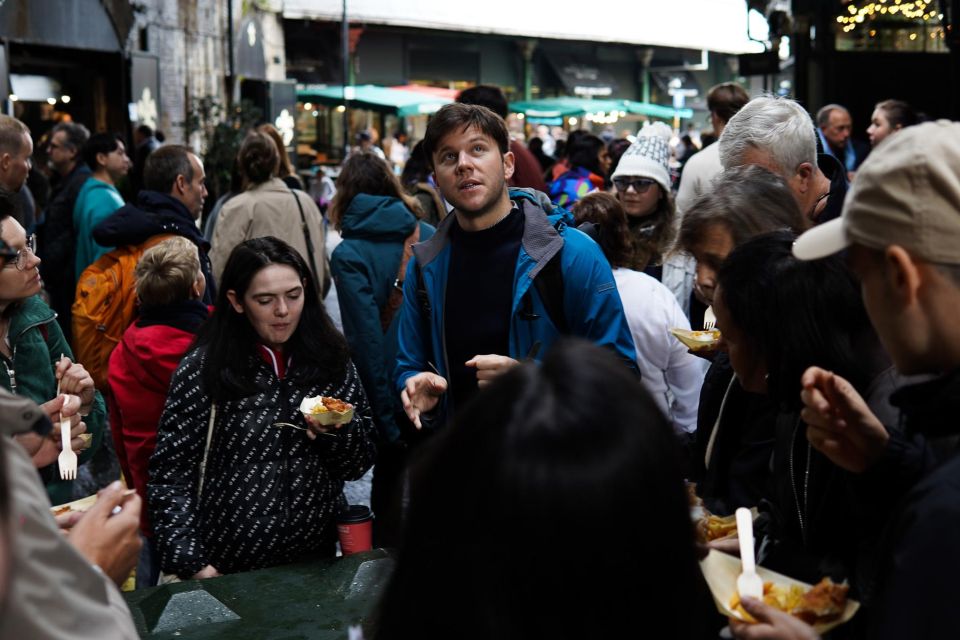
(718, 527)
(824, 602)
(326, 411)
(697, 340)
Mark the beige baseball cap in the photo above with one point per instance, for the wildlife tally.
(907, 192)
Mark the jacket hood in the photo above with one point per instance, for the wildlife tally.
(152, 353)
(153, 213)
(377, 217)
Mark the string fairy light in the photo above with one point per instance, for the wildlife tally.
(912, 10)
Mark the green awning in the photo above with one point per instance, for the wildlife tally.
(570, 106)
(368, 96)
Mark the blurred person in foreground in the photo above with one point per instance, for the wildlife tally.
(900, 231)
(169, 287)
(59, 578)
(378, 222)
(547, 459)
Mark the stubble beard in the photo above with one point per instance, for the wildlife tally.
(486, 206)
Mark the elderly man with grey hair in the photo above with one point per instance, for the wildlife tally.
(55, 235)
(778, 134)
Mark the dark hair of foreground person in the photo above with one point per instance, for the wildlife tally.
(553, 507)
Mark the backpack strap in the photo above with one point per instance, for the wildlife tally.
(310, 257)
(549, 284)
(395, 299)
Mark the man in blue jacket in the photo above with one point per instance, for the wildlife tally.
(471, 307)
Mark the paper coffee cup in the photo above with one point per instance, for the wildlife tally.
(355, 529)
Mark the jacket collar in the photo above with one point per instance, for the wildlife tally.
(273, 184)
(933, 407)
(29, 313)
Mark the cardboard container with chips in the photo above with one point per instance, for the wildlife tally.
(721, 570)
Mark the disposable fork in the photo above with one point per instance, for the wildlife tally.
(749, 584)
(67, 460)
(709, 319)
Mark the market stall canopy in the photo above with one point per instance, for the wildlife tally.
(548, 110)
(714, 25)
(368, 96)
(439, 92)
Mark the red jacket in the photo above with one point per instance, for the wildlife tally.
(139, 375)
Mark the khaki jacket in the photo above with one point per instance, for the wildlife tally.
(53, 591)
(269, 209)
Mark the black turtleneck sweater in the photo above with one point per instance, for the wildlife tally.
(479, 298)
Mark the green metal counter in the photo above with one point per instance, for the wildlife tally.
(318, 600)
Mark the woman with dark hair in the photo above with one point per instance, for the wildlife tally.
(549, 458)
(418, 182)
(268, 207)
(239, 479)
(378, 222)
(889, 117)
(589, 163)
(670, 373)
(778, 316)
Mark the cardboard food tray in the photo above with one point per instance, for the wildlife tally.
(326, 418)
(77, 505)
(688, 338)
(721, 571)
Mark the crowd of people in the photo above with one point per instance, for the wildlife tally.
(506, 346)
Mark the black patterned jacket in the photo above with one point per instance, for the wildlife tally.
(270, 495)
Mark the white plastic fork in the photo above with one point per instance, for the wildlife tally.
(67, 458)
(709, 319)
(749, 584)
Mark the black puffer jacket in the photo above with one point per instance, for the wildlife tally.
(270, 495)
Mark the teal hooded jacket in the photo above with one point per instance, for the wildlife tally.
(364, 267)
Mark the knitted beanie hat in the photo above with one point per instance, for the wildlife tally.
(649, 156)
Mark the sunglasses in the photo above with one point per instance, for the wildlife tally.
(640, 185)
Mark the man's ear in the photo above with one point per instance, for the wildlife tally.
(180, 184)
(902, 274)
(232, 298)
(508, 164)
(803, 178)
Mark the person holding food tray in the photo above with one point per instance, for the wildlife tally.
(37, 361)
(242, 478)
(900, 231)
(777, 316)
